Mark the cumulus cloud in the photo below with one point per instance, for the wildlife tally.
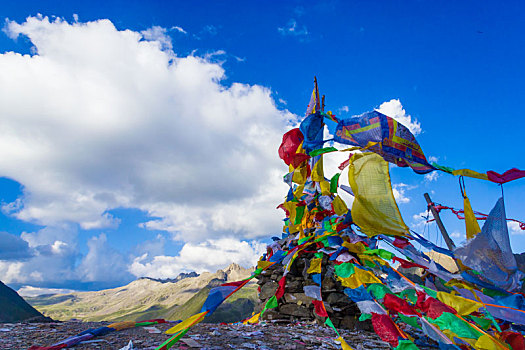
(53, 259)
(420, 220)
(102, 118)
(209, 255)
(456, 234)
(13, 247)
(400, 194)
(433, 176)
(158, 34)
(514, 228)
(394, 109)
(99, 118)
(102, 262)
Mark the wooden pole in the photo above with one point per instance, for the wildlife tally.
(317, 101)
(448, 241)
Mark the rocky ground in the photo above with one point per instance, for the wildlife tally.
(203, 336)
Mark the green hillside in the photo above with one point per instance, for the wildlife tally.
(148, 298)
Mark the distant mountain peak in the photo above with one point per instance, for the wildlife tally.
(180, 277)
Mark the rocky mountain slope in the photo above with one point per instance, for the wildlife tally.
(143, 298)
(13, 308)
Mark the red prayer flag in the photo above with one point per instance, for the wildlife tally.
(280, 290)
(386, 329)
(319, 308)
(396, 304)
(291, 141)
(509, 175)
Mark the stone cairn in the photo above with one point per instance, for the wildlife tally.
(295, 305)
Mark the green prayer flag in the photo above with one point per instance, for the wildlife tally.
(329, 323)
(299, 212)
(443, 168)
(173, 340)
(405, 344)
(319, 151)
(304, 239)
(271, 303)
(378, 290)
(481, 322)
(409, 294)
(430, 292)
(334, 181)
(411, 320)
(456, 325)
(344, 270)
(385, 254)
(365, 317)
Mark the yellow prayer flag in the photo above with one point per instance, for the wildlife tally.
(471, 223)
(261, 264)
(187, 323)
(354, 247)
(299, 191)
(122, 325)
(339, 206)
(470, 173)
(486, 342)
(344, 345)
(358, 278)
(325, 187)
(317, 170)
(315, 265)
(462, 305)
(374, 209)
(253, 319)
(299, 173)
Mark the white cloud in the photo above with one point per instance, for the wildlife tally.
(394, 109)
(344, 109)
(433, 159)
(179, 29)
(209, 255)
(292, 29)
(158, 34)
(53, 259)
(102, 263)
(514, 228)
(400, 194)
(102, 118)
(432, 176)
(30, 291)
(420, 220)
(456, 234)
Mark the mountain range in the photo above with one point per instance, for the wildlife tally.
(148, 298)
(13, 308)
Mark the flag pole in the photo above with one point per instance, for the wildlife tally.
(317, 100)
(450, 244)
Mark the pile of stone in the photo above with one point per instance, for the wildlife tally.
(296, 306)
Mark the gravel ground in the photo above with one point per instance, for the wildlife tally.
(202, 336)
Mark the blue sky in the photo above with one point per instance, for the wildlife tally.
(147, 144)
